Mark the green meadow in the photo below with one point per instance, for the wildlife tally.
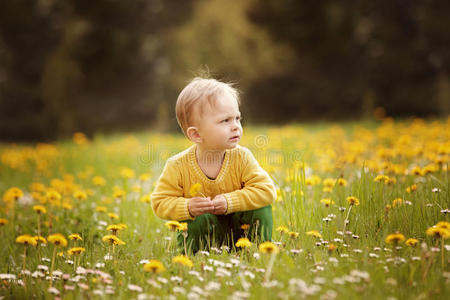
(362, 212)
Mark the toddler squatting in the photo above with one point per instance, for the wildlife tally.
(235, 190)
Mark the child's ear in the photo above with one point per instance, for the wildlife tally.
(193, 135)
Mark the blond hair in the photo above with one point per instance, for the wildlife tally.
(197, 93)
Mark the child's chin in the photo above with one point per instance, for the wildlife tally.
(232, 146)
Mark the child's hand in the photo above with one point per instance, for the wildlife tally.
(200, 205)
(220, 205)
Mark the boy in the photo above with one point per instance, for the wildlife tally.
(235, 190)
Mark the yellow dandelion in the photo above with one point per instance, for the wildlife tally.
(118, 193)
(12, 194)
(293, 234)
(269, 247)
(430, 168)
(145, 199)
(75, 237)
(443, 224)
(113, 216)
(417, 171)
(127, 173)
(123, 226)
(327, 202)
(353, 200)
(411, 242)
(313, 180)
(114, 228)
(243, 243)
(113, 240)
(395, 238)
(182, 260)
(342, 182)
(80, 195)
(154, 266)
(397, 202)
(183, 227)
(381, 178)
(76, 250)
(26, 239)
(411, 188)
(438, 232)
(391, 180)
(39, 209)
(314, 233)
(53, 195)
(57, 239)
(101, 209)
(195, 189)
(329, 182)
(245, 226)
(144, 177)
(98, 181)
(3, 221)
(282, 229)
(172, 225)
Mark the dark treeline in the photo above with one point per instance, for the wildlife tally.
(105, 65)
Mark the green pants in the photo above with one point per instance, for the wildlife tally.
(210, 230)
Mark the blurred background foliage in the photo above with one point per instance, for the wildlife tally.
(108, 65)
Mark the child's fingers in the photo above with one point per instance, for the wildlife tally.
(202, 207)
(200, 199)
(201, 203)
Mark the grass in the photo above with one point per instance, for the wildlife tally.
(362, 265)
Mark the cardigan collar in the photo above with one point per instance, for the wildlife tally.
(194, 163)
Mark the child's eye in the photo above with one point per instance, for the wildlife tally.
(225, 120)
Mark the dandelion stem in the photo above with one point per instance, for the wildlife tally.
(52, 265)
(169, 245)
(346, 218)
(269, 266)
(39, 235)
(442, 252)
(24, 257)
(256, 231)
(39, 224)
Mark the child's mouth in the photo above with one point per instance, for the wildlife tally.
(235, 138)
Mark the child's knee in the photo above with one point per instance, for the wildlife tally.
(260, 216)
(264, 214)
(260, 221)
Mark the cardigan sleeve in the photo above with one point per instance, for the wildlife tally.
(167, 198)
(258, 188)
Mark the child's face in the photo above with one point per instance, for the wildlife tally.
(220, 126)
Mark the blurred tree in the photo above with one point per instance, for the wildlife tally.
(82, 65)
(393, 54)
(113, 64)
(220, 39)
